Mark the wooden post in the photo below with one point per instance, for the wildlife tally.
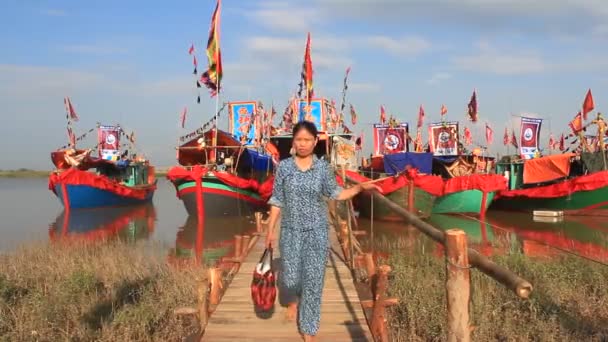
(410, 198)
(238, 245)
(457, 285)
(348, 222)
(215, 282)
(245, 246)
(370, 267)
(378, 325)
(202, 290)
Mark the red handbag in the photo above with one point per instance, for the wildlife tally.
(263, 288)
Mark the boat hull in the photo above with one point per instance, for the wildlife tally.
(423, 204)
(578, 202)
(218, 199)
(467, 201)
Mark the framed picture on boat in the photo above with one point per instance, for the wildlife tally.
(242, 121)
(529, 135)
(108, 140)
(315, 112)
(389, 140)
(443, 138)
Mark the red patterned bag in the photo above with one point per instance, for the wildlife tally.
(263, 289)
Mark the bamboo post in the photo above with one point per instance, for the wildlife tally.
(215, 281)
(238, 246)
(457, 285)
(378, 325)
(202, 290)
(410, 197)
(370, 267)
(245, 246)
(348, 222)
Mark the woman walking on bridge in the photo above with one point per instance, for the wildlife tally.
(300, 184)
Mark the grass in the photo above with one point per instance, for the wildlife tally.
(24, 173)
(569, 302)
(100, 291)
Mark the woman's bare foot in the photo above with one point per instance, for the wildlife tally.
(292, 312)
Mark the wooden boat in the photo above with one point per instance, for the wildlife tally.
(558, 182)
(118, 179)
(128, 223)
(222, 186)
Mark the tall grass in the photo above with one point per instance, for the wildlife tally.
(101, 291)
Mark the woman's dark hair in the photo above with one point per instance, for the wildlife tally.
(307, 126)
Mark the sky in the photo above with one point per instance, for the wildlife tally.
(127, 62)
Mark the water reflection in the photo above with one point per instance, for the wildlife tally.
(209, 241)
(127, 224)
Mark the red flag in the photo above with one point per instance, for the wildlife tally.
(382, 115)
(562, 143)
(588, 104)
(359, 142)
(444, 110)
(468, 138)
(420, 116)
(473, 107)
(576, 125)
(514, 139)
(307, 71)
(551, 141)
(505, 138)
(69, 109)
(353, 115)
(489, 134)
(191, 49)
(182, 117)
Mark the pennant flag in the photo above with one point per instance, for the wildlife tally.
(551, 141)
(353, 115)
(489, 134)
(468, 137)
(182, 117)
(420, 117)
(132, 137)
(69, 109)
(473, 107)
(588, 104)
(213, 76)
(514, 139)
(198, 99)
(576, 125)
(307, 71)
(382, 115)
(344, 88)
(359, 142)
(562, 143)
(505, 138)
(444, 110)
(195, 65)
(191, 49)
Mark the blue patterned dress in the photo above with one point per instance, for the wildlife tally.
(304, 241)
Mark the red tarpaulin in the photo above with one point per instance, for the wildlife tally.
(590, 182)
(547, 168)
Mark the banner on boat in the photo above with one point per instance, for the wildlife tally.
(108, 141)
(242, 121)
(345, 154)
(315, 113)
(529, 136)
(444, 138)
(389, 140)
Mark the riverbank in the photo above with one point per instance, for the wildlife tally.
(94, 291)
(569, 302)
(27, 173)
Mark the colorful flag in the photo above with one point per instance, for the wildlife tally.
(505, 138)
(359, 142)
(576, 125)
(420, 117)
(213, 76)
(69, 109)
(514, 139)
(191, 49)
(473, 107)
(562, 143)
(353, 115)
(551, 141)
(588, 104)
(182, 117)
(382, 115)
(307, 71)
(489, 134)
(444, 110)
(344, 88)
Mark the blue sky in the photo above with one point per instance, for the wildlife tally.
(127, 62)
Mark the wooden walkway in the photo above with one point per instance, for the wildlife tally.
(342, 317)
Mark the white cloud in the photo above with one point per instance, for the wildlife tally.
(54, 12)
(96, 49)
(281, 17)
(437, 77)
(405, 46)
(364, 87)
(490, 60)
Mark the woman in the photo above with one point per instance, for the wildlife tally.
(300, 184)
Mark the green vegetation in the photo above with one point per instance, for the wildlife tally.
(24, 173)
(94, 291)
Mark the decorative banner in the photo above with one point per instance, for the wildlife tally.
(243, 125)
(108, 138)
(315, 113)
(444, 138)
(345, 152)
(529, 136)
(390, 139)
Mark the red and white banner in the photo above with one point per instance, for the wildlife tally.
(108, 138)
(529, 136)
(443, 138)
(389, 140)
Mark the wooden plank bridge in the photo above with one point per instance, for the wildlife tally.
(342, 317)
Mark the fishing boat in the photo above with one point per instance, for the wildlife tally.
(130, 223)
(112, 178)
(223, 174)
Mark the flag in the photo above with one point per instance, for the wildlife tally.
(551, 141)
(588, 104)
(505, 138)
(514, 139)
(353, 115)
(359, 142)
(307, 71)
(562, 143)
(576, 125)
(444, 110)
(182, 117)
(69, 109)
(473, 107)
(382, 115)
(213, 76)
(468, 138)
(132, 137)
(195, 65)
(344, 88)
(418, 143)
(191, 49)
(489, 134)
(420, 117)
